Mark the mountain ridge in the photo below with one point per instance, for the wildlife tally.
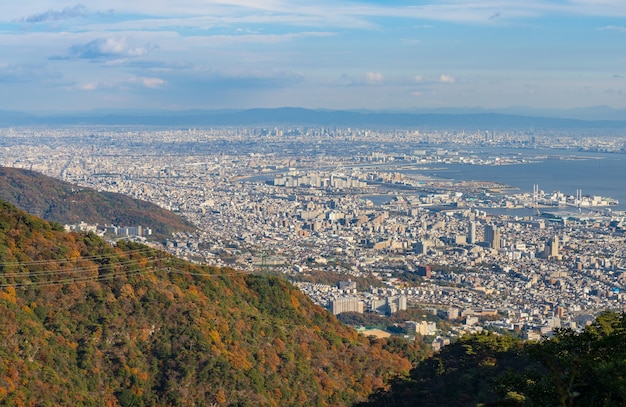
(87, 323)
(66, 203)
(466, 118)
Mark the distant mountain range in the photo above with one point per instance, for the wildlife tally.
(66, 203)
(466, 118)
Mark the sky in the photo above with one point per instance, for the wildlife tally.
(339, 54)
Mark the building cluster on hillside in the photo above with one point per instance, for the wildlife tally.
(111, 230)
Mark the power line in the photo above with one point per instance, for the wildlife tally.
(87, 279)
(101, 268)
(235, 272)
(112, 275)
(128, 273)
(93, 267)
(67, 259)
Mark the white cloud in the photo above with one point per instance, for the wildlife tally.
(148, 82)
(325, 13)
(109, 47)
(374, 77)
(291, 45)
(444, 78)
(367, 79)
(612, 28)
(90, 86)
(120, 83)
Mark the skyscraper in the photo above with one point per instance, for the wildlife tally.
(492, 236)
(472, 232)
(552, 248)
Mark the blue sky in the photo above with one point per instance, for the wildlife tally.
(197, 54)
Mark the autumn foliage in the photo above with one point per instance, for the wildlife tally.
(86, 323)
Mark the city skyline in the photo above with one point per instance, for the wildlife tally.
(340, 55)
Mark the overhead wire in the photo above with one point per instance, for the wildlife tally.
(51, 261)
(92, 267)
(235, 272)
(84, 279)
(106, 270)
(147, 268)
(74, 273)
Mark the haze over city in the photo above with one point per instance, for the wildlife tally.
(69, 56)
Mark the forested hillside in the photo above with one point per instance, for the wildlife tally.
(62, 202)
(84, 323)
(570, 369)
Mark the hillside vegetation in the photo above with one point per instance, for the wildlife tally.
(570, 369)
(62, 202)
(84, 323)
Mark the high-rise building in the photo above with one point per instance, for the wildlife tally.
(346, 304)
(471, 238)
(552, 248)
(422, 246)
(492, 236)
(396, 303)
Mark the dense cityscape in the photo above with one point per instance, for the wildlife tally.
(356, 204)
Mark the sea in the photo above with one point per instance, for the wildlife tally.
(566, 171)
